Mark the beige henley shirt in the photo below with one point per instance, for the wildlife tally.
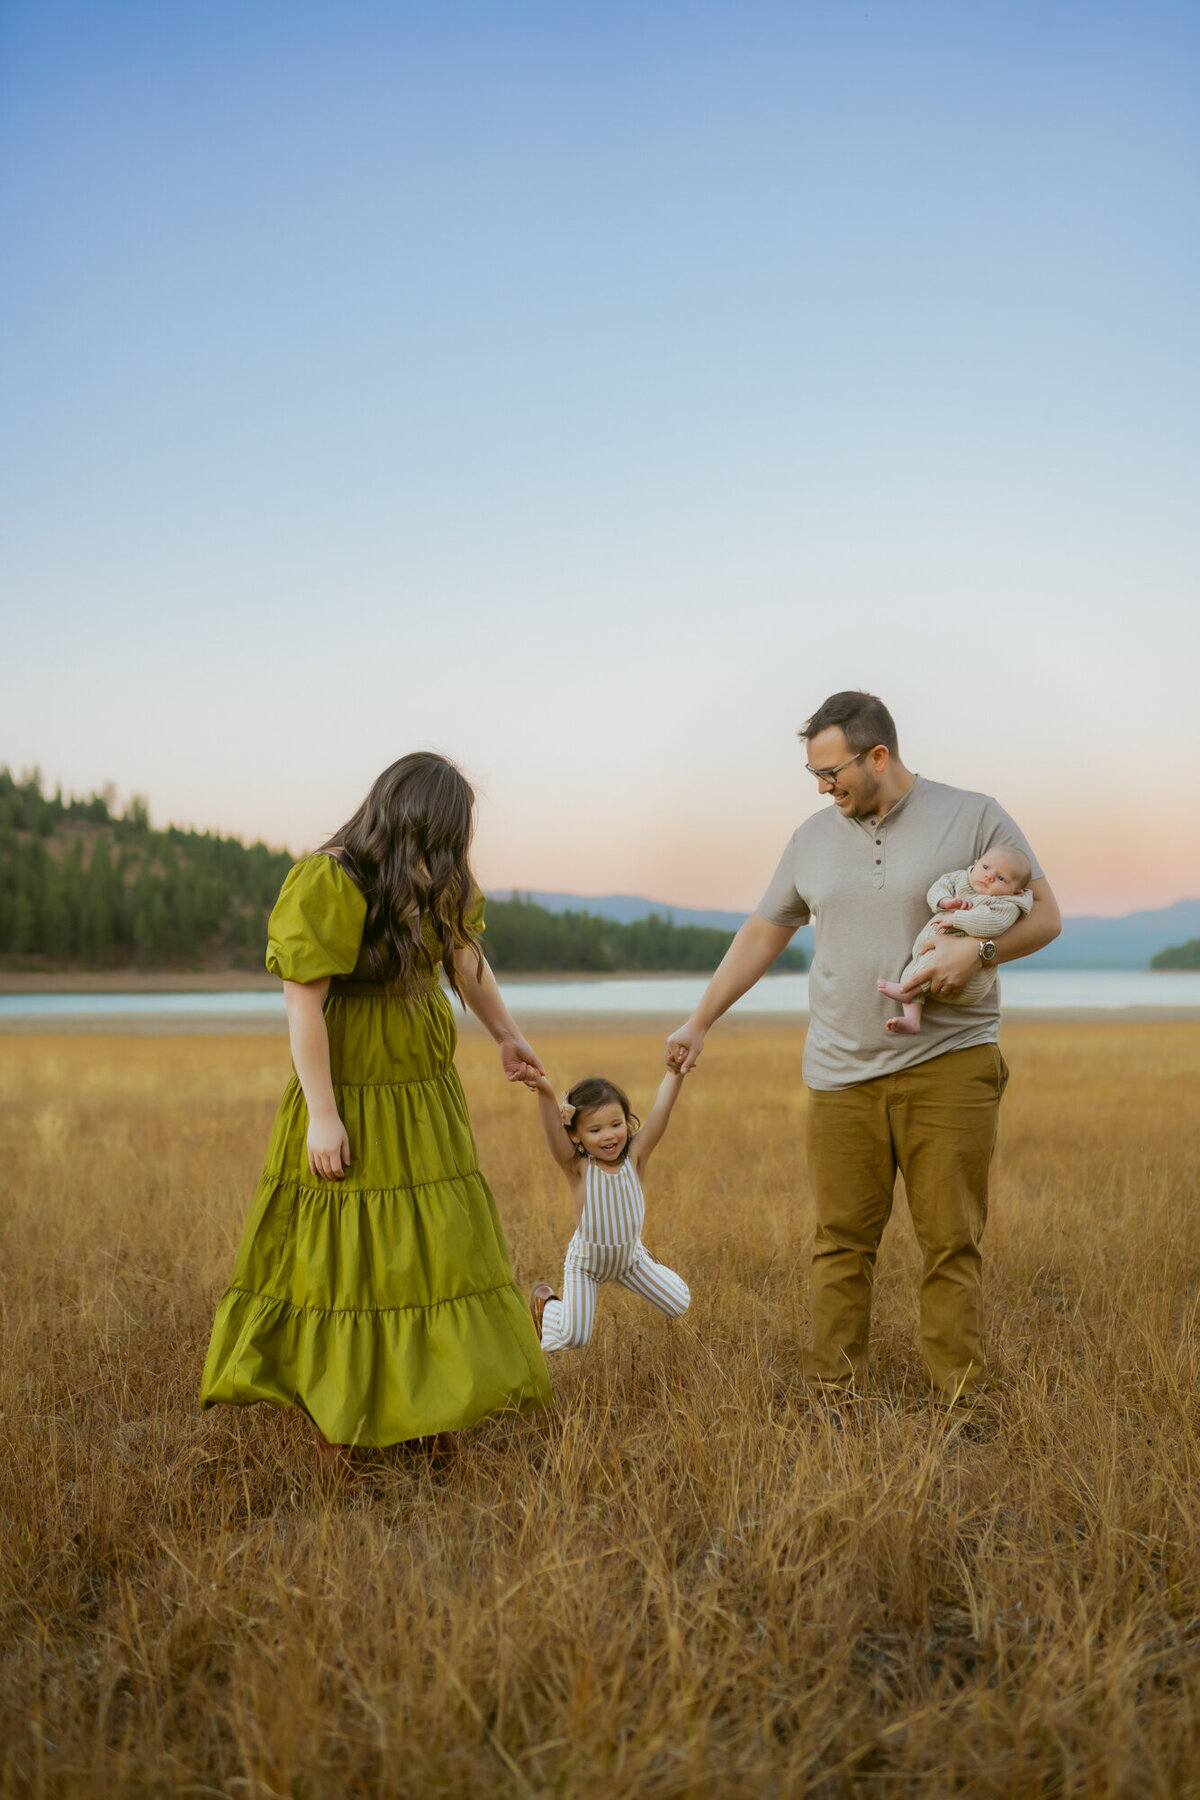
(863, 883)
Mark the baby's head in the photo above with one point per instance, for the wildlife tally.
(1001, 871)
(602, 1124)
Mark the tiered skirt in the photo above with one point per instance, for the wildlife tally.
(382, 1304)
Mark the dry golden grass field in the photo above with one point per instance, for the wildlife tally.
(685, 1580)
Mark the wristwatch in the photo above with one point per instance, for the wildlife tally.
(987, 950)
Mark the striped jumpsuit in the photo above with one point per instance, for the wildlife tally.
(608, 1247)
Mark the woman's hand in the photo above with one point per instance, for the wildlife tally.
(328, 1146)
(519, 1060)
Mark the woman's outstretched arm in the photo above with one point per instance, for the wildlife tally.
(479, 990)
(328, 1145)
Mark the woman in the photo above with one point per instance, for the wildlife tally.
(373, 1286)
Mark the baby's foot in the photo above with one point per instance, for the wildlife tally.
(892, 989)
(907, 1027)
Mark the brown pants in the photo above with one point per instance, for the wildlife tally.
(936, 1122)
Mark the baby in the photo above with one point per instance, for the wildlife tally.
(978, 902)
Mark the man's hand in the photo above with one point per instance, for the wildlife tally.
(684, 1047)
(953, 962)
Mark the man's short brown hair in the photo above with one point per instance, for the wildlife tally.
(863, 718)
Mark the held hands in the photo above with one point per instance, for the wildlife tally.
(520, 1061)
(684, 1047)
(542, 1084)
(950, 904)
(328, 1147)
(525, 1075)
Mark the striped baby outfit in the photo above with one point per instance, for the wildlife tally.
(608, 1247)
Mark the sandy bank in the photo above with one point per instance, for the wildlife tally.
(136, 981)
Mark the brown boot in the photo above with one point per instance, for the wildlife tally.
(537, 1304)
(335, 1461)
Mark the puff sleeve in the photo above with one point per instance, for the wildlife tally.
(474, 915)
(316, 926)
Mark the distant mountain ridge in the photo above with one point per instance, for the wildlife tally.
(1087, 942)
(624, 908)
(1124, 943)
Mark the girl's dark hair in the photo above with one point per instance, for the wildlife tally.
(597, 1090)
(406, 848)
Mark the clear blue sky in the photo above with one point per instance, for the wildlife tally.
(589, 390)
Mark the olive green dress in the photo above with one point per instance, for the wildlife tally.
(383, 1304)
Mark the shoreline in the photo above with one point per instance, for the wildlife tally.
(242, 981)
(539, 1025)
(234, 981)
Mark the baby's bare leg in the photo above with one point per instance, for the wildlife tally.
(910, 1023)
(901, 991)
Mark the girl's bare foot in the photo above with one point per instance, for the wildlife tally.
(906, 1026)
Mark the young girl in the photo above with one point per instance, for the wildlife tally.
(373, 1286)
(596, 1143)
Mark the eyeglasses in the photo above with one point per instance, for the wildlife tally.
(829, 774)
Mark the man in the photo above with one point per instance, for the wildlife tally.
(925, 1104)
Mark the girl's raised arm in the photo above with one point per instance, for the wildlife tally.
(550, 1112)
(651, 1132)
(328, 1145)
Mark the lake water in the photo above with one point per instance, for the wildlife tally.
(1024, 990)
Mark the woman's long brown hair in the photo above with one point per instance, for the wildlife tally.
(406, 848)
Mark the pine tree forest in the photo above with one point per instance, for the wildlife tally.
(85, 886)
(82, 885)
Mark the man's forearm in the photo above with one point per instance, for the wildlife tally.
(954, 959)
(747, 959)
(1040, 927)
